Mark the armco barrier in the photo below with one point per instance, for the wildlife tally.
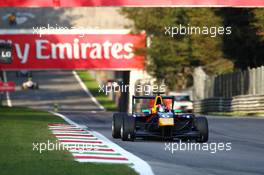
(241, 103)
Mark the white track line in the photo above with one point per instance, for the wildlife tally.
(8, 99)
(87, 90)
(139, 165)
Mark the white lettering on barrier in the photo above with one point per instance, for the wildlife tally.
(39, 48)
(47, 50)
(22, 56)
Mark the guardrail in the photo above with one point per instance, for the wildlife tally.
(241, 103)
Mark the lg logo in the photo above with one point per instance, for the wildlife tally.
(6, 54)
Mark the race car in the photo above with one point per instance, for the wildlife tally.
(154, 116)
(30, 85)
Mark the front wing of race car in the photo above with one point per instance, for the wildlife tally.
(180, 126)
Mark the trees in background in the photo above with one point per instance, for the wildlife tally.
(172, 59)
(245, 47)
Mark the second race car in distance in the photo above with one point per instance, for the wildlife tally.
(29, 84)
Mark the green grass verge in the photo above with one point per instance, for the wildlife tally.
(93, 87)
(236, 114)
(20, 127)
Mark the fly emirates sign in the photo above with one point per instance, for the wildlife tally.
(69, 51)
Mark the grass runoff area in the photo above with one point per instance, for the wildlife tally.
(20, 127)
(93, 87)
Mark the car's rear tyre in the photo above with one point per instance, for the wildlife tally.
(37, 86)
(128, 128)
(201, 125)
(116, 125)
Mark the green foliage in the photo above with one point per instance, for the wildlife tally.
(172, 59)
(258, 22)
(245, 46)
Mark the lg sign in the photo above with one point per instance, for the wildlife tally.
(68, 51)
(5, 53)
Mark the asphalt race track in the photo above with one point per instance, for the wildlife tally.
(245, 134)
(56, 87)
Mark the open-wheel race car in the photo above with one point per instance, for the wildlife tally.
(154, 116)
(29, 84)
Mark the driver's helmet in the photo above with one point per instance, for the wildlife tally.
(162, 108)
(29, 79)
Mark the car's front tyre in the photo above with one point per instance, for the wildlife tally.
(127, 131)
(201, 125)
(23, 87)
(116, 125)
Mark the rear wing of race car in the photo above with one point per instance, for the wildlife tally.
(152, 97)
(134, 98)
